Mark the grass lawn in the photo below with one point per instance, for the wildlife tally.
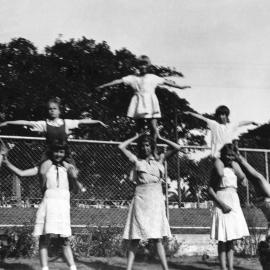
(116, 263)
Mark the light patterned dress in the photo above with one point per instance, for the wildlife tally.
(147, 217)
(144, 103)
(230, 226)
(53, 215)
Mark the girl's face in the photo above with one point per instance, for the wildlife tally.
(145, 149)
(228, 158)
(143, 68)
(222, 119)
(53, 110)
(58, 155)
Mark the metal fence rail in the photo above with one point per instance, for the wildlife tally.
(104, 171)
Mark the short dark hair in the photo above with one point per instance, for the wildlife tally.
(225, 149)
(58, 145)
(222, 109)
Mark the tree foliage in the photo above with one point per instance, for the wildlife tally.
(71, 70)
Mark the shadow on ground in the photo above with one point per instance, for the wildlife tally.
(15, 266)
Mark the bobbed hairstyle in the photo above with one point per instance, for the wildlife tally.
(222, 110)
(143, 139)
(57, 145)
(229, 147)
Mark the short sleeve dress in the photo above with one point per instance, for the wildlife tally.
(144, 103)
(53, 215)
(230, 226)
(147, 216)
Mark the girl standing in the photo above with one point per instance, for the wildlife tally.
(53, 215)
(147, 218)
(144, 104)
(228, 222)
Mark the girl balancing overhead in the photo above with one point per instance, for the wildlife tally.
(54, 128)
(144, 104)
(53, 215)
(147, 218)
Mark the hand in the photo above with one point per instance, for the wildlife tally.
(98, 88)
(226, 208)
(3, 150)
(104, 125)
(187, 113)
(186, 86)
(4, 124)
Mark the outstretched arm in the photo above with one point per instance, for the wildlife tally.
(247, 123)
(89, 121)
(174, 84)
(17, 122)
(115, 82)
(196, 115)
(29, 172)
(123, 147)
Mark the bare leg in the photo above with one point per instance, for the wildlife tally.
(222, 255)
(153, 128)
(229, 251)
(43, 250)
(133, 245)
(140, 125)
(68, 253)
(161, 253)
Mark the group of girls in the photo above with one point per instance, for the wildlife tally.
(146, 217)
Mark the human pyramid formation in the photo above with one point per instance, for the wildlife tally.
(146, 218)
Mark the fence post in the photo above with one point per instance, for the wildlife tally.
(266, 166)
(166, 191)
(177, 160)
(248, 202)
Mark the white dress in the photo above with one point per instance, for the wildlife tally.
(144, 103)
(147, 216)
(53, 215)
(230, 226)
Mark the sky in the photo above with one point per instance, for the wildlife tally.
(221, 46)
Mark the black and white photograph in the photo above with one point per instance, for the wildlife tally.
(134, 135)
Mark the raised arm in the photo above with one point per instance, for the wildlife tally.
(29, 172)
(17, 122)
(123, 147)
(196, 115)
(174, 84)
(261, 185)
(115, 82)
(89, 121)
(175, 147)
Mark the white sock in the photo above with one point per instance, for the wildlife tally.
(73, 267)
(45, 268)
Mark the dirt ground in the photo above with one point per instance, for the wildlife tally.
(116, 263)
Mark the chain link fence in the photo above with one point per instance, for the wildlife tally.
(104, 172)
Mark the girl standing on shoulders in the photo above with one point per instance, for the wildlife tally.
(144, 105)
(53, 215)
(147, 218)
(222, 132)
(54, 128)
(228, 222)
